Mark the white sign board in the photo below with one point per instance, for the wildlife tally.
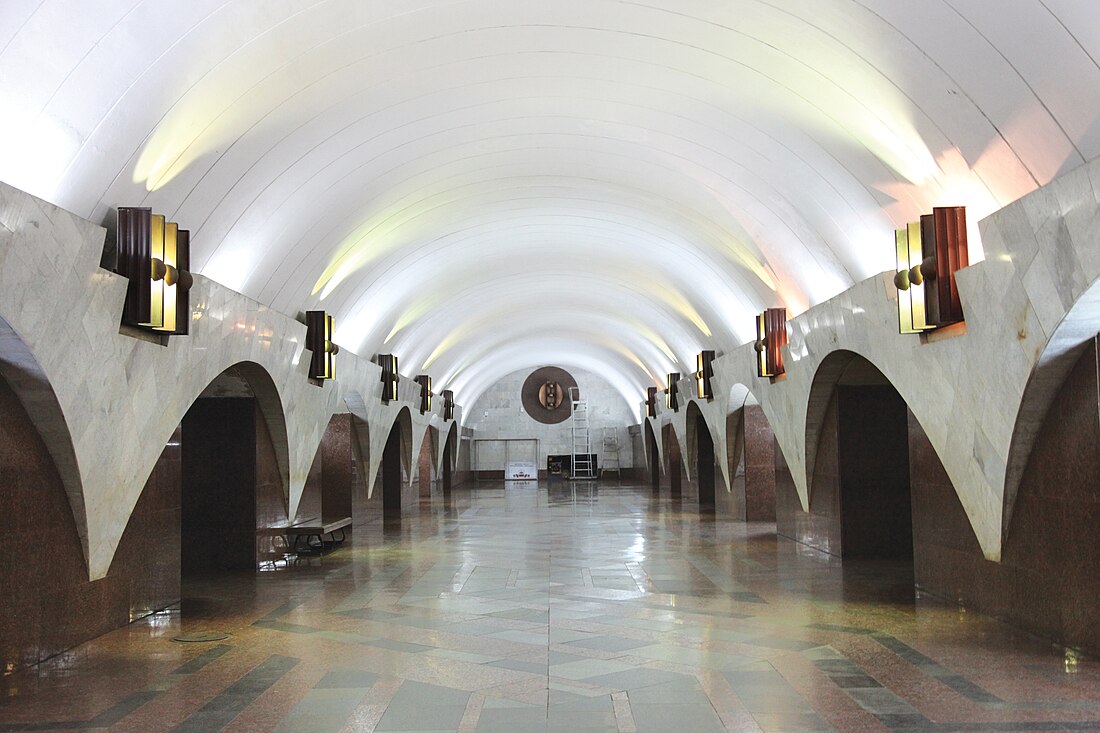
(521, 471)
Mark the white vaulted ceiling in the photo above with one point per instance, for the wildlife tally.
(480, 186)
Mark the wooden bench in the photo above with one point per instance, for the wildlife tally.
(314, 528)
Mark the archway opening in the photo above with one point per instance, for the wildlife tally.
(653, 457)
(450, 450)
(703, 457)
(426, 470)
(873, 472)
(860, 491)
(233, 492)
(675, 462)
(394, 465)
(752, 455)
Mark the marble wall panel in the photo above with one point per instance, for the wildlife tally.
(337, 467)
(424, 470)
(947, 559)
(365, 507)
(979, 394)
(499, 413)
(820, 527)
(1049, 577)
(271, 513)
(149, 552)
(676, 477)
(48, 604)
(791, 521)
(121, 398)
(758, 463)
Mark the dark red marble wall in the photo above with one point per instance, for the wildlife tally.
(734, 503)
(758, 457)
(148, 556)
(337, 467)
(424, 468)
(391, 479)
(947, 559)
(820, 527)
(675, 477)
(1048, 580)
(363, 509)
(48, 604)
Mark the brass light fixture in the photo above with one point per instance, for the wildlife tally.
(390, 377)
(672, 388)
(425, 382)
(929, 253)
(910, 280)
(704, 371)
(946, 251)
(651, 402)
(771, 337)
(448, 405)
(155, 256)
(319, 329)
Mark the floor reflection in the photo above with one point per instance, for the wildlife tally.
(573, 492)
(562, 606)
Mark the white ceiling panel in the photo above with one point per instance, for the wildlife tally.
(481, 186)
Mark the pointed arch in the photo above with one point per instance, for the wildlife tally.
(28, 380)
(1080, 325)
(361, 443)
(701, 442)
(652, 448)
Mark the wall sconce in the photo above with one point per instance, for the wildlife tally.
(946, 251)
(390, 377)
(319, 329)
(425, 382)
(672, 389)
(651, 402)
(704, 370)
(155, 256)
(771, 337)
(448, 405)
(910, 279)
(929, 253)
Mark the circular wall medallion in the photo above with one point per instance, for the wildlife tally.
(545, 394)
(550, 395)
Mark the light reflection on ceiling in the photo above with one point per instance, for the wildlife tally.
(481, 186)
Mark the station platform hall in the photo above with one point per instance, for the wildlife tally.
(492, 366)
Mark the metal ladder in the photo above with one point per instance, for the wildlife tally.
(581, 459)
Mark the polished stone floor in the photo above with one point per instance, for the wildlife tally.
(573, 607)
